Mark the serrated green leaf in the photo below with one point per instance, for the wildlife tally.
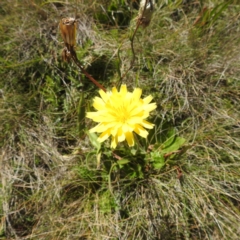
(157, 166)
(157, 160)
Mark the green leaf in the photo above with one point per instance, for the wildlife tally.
(157, 160)
(122, 161)
(93, 139)
(171, 138)
(133, 151)
(162, 132)
(175, 145)
(140, 171)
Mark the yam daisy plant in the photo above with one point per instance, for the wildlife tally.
(120, 113)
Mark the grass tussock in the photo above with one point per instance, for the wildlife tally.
(58, 183)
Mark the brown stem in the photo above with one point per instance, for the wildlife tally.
(76, 61)
(132, 40)
(133, 52)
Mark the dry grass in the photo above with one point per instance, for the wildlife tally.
(51, 184)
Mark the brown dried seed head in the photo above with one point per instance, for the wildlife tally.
(68, 31)
(145, 12)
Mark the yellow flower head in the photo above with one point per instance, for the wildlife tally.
(119, 114)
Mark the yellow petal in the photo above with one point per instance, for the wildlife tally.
(104, 117)
(150, 107)
(104, 95)
(135, 120)
(147, 124)
(97, 118)
(147, 99)
(91, 114)
(113, 125)
(94, 129)
(114, 142)
(101, 127)
(137, 94)
(127, 127)
(123, 90)
(120, 135)
(114, 90)
(116, 101)
(104, 136)
(137, 111)
(140, 131)
(114, 131)
(130, 139)
(98, 103)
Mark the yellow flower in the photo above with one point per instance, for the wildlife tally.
(119, 114)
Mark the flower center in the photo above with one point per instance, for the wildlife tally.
(123, 114)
